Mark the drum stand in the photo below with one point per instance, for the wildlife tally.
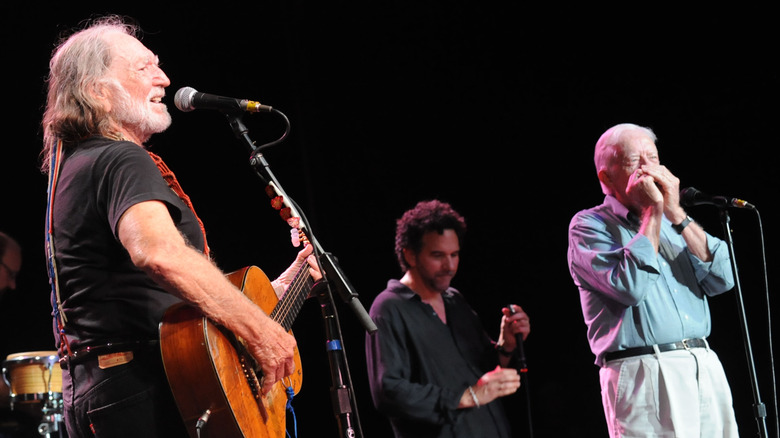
(51, 423)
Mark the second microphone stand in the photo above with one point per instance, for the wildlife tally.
(342, 394)
(759, 409)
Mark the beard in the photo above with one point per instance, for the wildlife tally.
(438, 281)
(136, 116)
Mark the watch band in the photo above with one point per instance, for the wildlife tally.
(503, 352)
(681, 226)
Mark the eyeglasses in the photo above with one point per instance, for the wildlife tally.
(11, 272)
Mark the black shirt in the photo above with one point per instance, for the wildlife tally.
(104, 296)
(419, 367)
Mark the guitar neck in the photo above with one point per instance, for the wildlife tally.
(286, 310)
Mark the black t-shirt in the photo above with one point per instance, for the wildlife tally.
(105, 298)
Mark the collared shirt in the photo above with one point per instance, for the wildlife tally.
(633, 297)
(418, 367)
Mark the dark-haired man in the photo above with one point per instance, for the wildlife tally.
(433, 370)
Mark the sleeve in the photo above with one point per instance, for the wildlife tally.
(601, 260)
(716, 276)
(127, 177)
(390, 373)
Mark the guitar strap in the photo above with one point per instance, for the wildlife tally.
(173, 183)
(56, 303)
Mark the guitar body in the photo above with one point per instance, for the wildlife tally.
(210, 373)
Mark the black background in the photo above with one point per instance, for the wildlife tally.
(490, 106)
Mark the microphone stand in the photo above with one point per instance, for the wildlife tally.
(342, 395)
(759, 409)
(522, 367)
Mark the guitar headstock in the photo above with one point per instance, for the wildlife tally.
(288, 214)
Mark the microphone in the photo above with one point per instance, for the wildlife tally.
(691, 196)
(519, 342)
(188, 99)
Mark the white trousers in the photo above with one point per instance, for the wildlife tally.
(680, 394)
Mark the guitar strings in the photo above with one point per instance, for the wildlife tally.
(287, 309)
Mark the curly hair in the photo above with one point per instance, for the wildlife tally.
(426, 216)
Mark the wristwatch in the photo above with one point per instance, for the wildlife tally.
(681, 226)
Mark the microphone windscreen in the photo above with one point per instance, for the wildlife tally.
(689, 196)
(183, 99)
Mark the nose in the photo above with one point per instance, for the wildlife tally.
(161, 79)
(450, 263)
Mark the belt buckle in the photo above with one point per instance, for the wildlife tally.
(685, 344)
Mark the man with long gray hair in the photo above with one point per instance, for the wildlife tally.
(125, 243)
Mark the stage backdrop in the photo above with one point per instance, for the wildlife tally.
(494, 108)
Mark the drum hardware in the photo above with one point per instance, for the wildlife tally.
(35, 382)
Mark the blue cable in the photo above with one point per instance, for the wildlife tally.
(290, 395)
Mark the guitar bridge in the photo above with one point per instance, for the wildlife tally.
(251, 376)
(248, 368)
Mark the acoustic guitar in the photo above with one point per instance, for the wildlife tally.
(214, 379)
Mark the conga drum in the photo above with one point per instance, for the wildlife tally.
(34, 378)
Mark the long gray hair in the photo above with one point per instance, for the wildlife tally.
(78, 64)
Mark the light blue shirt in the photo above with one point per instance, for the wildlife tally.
(633, 297)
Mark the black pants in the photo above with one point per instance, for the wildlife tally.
(128, 400)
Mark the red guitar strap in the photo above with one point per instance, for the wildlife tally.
(173, 183)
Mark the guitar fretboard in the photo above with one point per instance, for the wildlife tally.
(286, 310)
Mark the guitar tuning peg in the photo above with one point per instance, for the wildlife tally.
(294, 222)
(295, 237)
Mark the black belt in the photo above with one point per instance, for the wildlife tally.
(86, 353)
(638, 351)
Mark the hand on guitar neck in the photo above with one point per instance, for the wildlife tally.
(282, 283)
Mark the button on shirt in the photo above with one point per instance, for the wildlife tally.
(633, 297)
